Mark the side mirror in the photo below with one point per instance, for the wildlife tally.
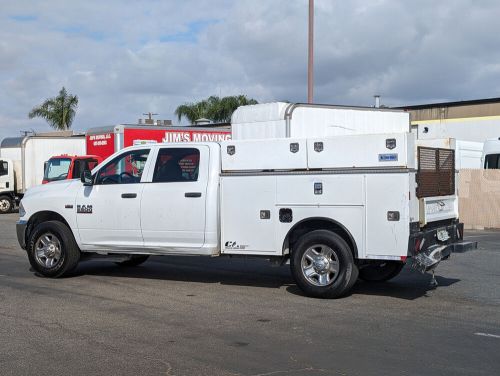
(86, 178)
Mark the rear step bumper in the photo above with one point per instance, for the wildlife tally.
(429, 246)
(461, 247)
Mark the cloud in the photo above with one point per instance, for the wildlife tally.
(123, 59)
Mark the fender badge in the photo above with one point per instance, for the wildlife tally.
(294, 147)
(318, 147)
(84, 209)
(231, 149)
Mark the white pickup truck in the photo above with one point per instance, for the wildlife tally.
(335, 207)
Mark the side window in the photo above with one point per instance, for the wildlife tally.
(77, 169)
(177, 165)
(492, 161)
(91, 163)
(126, 168)
(81, 165)
(4, 168)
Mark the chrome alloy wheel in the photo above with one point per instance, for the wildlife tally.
(4, 205)
(48, 250)
(320, 265)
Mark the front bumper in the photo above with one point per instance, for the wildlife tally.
(429, 245)
(21, 233)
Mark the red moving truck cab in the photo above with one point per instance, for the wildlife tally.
(65, 166)
(104, 141)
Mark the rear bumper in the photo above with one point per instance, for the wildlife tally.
(431, 244)
(21, 233)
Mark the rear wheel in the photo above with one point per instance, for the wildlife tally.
(52, 249)
(6, 204)
(134, 260)
(381, 271)
(322, 265)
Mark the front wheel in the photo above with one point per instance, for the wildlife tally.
(322, 264)
(381, 271)
(6, 204)
(52, 249)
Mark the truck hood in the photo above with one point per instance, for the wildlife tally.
(53, 188)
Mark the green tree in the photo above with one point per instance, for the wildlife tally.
(59, 111)
(214, 108)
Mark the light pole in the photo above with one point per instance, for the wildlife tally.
(310, 63)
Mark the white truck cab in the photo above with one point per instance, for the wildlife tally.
(491, 154)
(22, 162)
(335, 207)
(6, 185)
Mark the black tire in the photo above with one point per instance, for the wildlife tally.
(134, 260)
(319, 243)
(65, 252)
(354, 278)
(381, 271)
(6, 204)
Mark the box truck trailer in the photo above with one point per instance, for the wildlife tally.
(334, 207)
(22, 162)
(104, 141)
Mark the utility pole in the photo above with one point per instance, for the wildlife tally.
(310, 63)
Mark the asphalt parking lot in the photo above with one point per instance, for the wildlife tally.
(197, 316)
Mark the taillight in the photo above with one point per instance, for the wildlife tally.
(417, 245)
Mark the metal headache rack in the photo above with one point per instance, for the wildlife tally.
(436, 172)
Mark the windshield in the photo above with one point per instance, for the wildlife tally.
(57, 169)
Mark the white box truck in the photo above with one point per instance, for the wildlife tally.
(335, 207)
(22, 161)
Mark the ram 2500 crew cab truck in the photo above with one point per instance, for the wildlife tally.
(334, 207)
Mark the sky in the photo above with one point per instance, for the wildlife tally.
(124, 58)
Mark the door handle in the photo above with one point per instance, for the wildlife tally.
(192, 194)
(129, 195)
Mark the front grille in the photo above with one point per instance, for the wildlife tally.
(436, 172)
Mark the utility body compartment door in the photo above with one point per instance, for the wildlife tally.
(173, 208)
(248, 215)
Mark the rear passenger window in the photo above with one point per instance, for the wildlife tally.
(176, 165)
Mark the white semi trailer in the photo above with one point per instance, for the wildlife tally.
(336, 207)
(22, 162)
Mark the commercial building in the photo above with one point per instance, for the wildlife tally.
(473, 120)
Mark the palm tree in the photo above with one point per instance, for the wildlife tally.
(59, 111)
(192, 111)
(214, 108)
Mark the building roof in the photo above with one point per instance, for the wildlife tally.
(451, 104)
